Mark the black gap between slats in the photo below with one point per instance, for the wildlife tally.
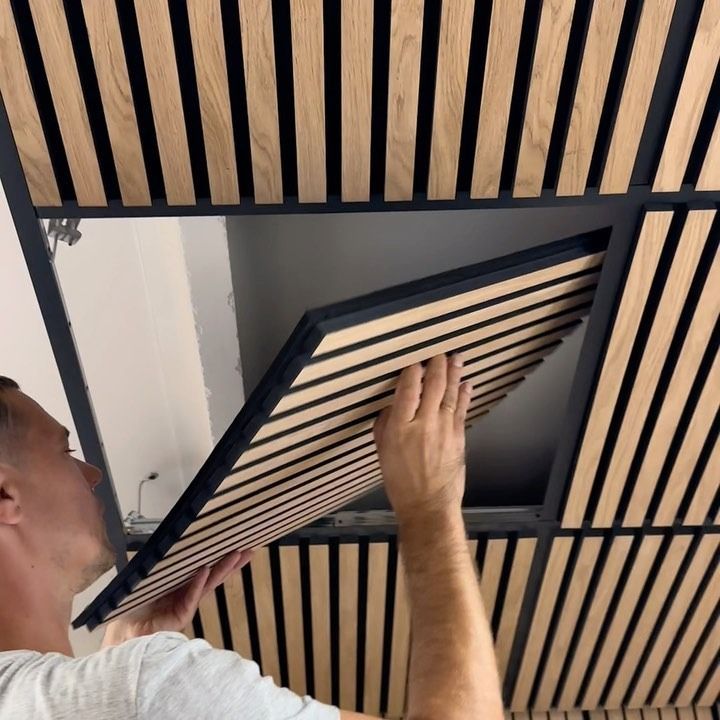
(521, 87)
(560, 599)
(704, 133)
(609, 616)
(306, 591)
(91, 94)
(379, 99)
(279, 613)
(334, 566)
(482, 541)
(426, 93)
(628, 383)
(197, 625)
(587, 602)
(705, 682)
(613, 95)
(473, 94)
(221, 601)
(362, 603)
(508, 561)
(282, 34)
(251, 615)
(190, 99)
(333, 99)
(566, 94)
(674, 354)
(43, 98)
(662, 105)
(392, 569)
(715, 506)
(141, 97)
(662, 616)
(230, 11)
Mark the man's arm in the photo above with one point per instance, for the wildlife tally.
(421, 442)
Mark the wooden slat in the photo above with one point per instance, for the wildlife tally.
(548, 62)
(709, 178)
(590, 633)
(572, 602)
(101, 20)
(59, 60)
(706, 713)
(632, 714)
(210, 618)
(261, 90)
(491, 573)
(158, 50)
(650, 713)
(668, 713)
(514, 596)
(208, 47)
(406, 21)
(669, 309)
(456, 22)
(703, 416)
(699, 508)
(685, 713)
(293, 616)
(500, 64)
(320, 606)
(400, 646)
(374, 623)
(349, 559)
(641, 630)
(712, 689)
(699, 564)
(265, 614)
(600, 43)
(538, 629)
(686, 369)
(637, 91)
(23, 114)
(309, 84)
(356, 45)
(610, 642)
(691, 100)
(237, 614)
(637, 286)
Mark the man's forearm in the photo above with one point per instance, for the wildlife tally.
(453, 673)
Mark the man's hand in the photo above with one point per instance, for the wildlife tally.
(174, 612)
(421, 439)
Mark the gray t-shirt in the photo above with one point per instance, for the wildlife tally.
(155, 677)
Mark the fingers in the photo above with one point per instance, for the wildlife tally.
(464, 396)
(454, 373)
(434, 385)
(407, 394)
(379, 426)
(221, 570)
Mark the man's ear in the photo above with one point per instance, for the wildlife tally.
(10, 512)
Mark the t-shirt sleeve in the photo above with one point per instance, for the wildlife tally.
(180, 678)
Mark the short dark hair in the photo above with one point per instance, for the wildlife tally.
(5, 419)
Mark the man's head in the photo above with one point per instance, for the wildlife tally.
(49, 515)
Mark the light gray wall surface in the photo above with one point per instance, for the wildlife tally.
(283, 265)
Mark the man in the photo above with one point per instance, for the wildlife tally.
(53, 545)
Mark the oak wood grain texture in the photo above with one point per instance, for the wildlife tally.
(237, 614)
(600, 43)
(320, 615)
(590, 633)
(514, 595)
(261, 89)
(709, 178)
(456, 20)
(696, 435)
(676, 287)
(647, 52)
(548, 62)
(691, 100)
(348, 608)
(689, 641)
(704, 663)
(103, 28)
(356, 43)
(374, 624)
(622, 336)
(642, 629)
(538, 628)
(158, 49)
(23, 114)
(211, 73)
(699, 508)
(309, 84)
(265, 614)
(571, 604)
(399, 646)
(491, 572)
(406, 22)
(68, 100)
(609, 643)
(686, 369)
(293, 617)
(500, 64)
(210, 618)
